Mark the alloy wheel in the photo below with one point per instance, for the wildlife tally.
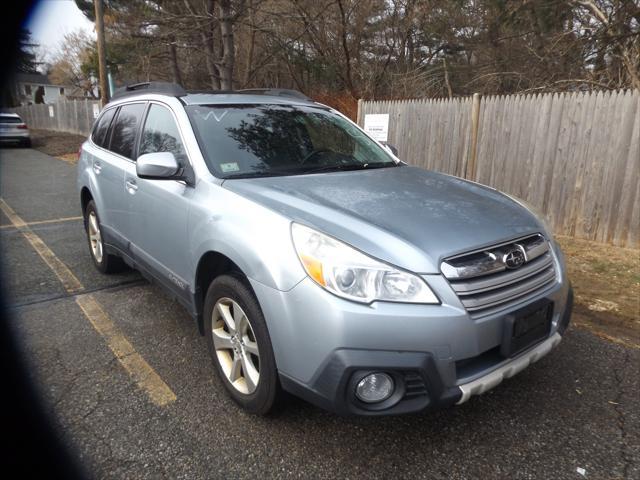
(95, 239)
(235, 345)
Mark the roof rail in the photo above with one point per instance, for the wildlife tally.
(278, 92)
(211, 92)
(164, 88)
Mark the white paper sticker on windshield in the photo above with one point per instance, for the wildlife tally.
(377, 125)
(229, 167)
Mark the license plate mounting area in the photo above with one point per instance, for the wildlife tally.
(525, 327)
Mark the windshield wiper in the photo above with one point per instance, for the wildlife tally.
(281, 172)
(270, 173)
(353, 166)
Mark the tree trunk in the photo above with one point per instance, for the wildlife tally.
(446, 77)
(175, 68)
(346, 52)
(228, 47)
(207, 36)
(252, 42)
(210, 59)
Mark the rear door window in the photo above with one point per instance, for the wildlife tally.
(123, 132)
(99, 135)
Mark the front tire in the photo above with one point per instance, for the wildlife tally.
(239, 344)
(103, 261)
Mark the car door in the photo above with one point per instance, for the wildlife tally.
(108, 174)
(160, 208)
(116, 170)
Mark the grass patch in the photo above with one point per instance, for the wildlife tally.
(57, 144)
(606, 281)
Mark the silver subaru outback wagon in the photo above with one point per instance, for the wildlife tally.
(314, 261)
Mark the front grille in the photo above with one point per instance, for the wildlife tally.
(490, 280)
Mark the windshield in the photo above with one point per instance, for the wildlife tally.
(240, 141)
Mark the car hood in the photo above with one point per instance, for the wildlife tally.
(406, 216)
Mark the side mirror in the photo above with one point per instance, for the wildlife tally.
(158, 166)
(391, 148)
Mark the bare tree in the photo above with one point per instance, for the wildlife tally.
(75, 63)
(345, 49)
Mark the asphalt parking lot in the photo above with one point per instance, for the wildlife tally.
(578, 408)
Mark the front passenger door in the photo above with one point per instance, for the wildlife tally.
(161, 207)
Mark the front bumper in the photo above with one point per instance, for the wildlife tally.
(416, 377)
(437, 354)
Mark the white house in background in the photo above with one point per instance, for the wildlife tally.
(26, 86)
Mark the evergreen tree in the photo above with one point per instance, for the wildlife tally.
(26, 62)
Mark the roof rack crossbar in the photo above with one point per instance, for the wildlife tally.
(164, 88)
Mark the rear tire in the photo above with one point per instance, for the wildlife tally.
(103, 261)
(240, 345)
(27, 143)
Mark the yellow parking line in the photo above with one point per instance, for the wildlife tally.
(145, 376)
(66, 276)
(138, 368)
(43, 222)
(70, 158)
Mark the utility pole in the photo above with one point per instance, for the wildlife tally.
(102, 56)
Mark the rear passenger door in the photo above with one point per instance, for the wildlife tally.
(161, 207)
(119, 170)
(109, 174)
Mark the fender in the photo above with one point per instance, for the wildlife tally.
(255, 238)
(267, 259)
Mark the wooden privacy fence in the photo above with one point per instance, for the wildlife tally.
(73, 116)
(574, 156)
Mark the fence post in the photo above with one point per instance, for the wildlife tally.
(470, 173)
(87, 117)
(359, 117)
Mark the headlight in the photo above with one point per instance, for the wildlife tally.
(350, 274)
(539, 215)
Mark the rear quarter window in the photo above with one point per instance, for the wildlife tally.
(99, 135)
(125, 128)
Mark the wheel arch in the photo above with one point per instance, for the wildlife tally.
(85, 198)
(211, 265)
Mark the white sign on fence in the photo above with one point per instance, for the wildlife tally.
(96, 110)
(377, 125)
(51, 112)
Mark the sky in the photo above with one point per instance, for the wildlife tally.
(50, 20)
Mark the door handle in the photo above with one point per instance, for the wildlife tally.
(97, 167)
(132, 186)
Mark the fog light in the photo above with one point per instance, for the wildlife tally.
(374, 388)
